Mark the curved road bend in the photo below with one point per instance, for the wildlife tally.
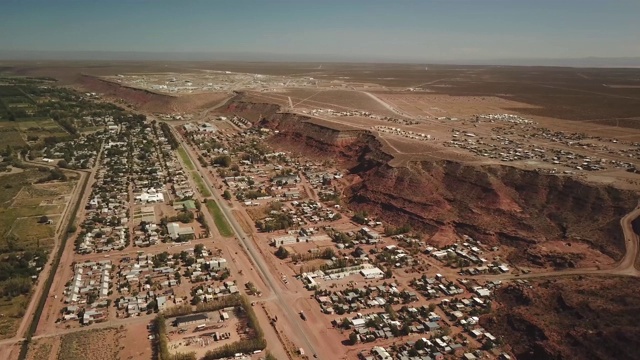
(625, 267)
(256, 257)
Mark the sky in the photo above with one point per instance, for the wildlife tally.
(399, 30)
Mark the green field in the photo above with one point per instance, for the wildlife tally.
(200, 184)
(11, 136)
(221, 222)
(22, 203)
(185, 159)
(33, 235)
(15, 133)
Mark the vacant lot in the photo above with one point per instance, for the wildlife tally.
(12, 311)
(101, 344)
(10, 136)
(220, 220)
(338, 100)
(22, 206)
(43, 349)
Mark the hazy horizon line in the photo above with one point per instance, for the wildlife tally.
(109, 55)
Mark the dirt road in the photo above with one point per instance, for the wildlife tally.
(60, 229)
(627, 266)
(383, 103)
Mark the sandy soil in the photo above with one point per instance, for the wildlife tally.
(437, 105)
(132, 344)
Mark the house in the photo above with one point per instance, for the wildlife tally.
(370, 234)
(162, 302)
(286, 179)
(432, 326)
(381, 353)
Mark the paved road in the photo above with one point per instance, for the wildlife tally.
(284, 305)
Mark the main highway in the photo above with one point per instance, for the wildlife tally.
(292, 316)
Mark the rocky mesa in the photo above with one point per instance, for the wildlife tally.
(496, 204)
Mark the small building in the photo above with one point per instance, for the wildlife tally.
(191, 319)
(184, 205)
(372, 273)
(283, 240)
(175, 230)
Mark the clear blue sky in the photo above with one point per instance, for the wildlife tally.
(411, 30)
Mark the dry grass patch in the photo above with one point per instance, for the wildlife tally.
(41, 349)
(103, 344)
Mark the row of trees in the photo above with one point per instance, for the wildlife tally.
(168, 134)
(276, 222)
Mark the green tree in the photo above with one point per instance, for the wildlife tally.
(360, 217)
(282, 253)
(353, 338)
(222, 160)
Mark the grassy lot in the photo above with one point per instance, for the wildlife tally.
(12, 310)
(11, 136)
(42, 127)
(41, 349)
(20, 209)
(15, 133)
(98, 344)
(200, 184)
(185, 159)
(221, 222)
(31, 234)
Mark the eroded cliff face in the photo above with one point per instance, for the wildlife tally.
(494, 204)
(570, 318)
(251, 110)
